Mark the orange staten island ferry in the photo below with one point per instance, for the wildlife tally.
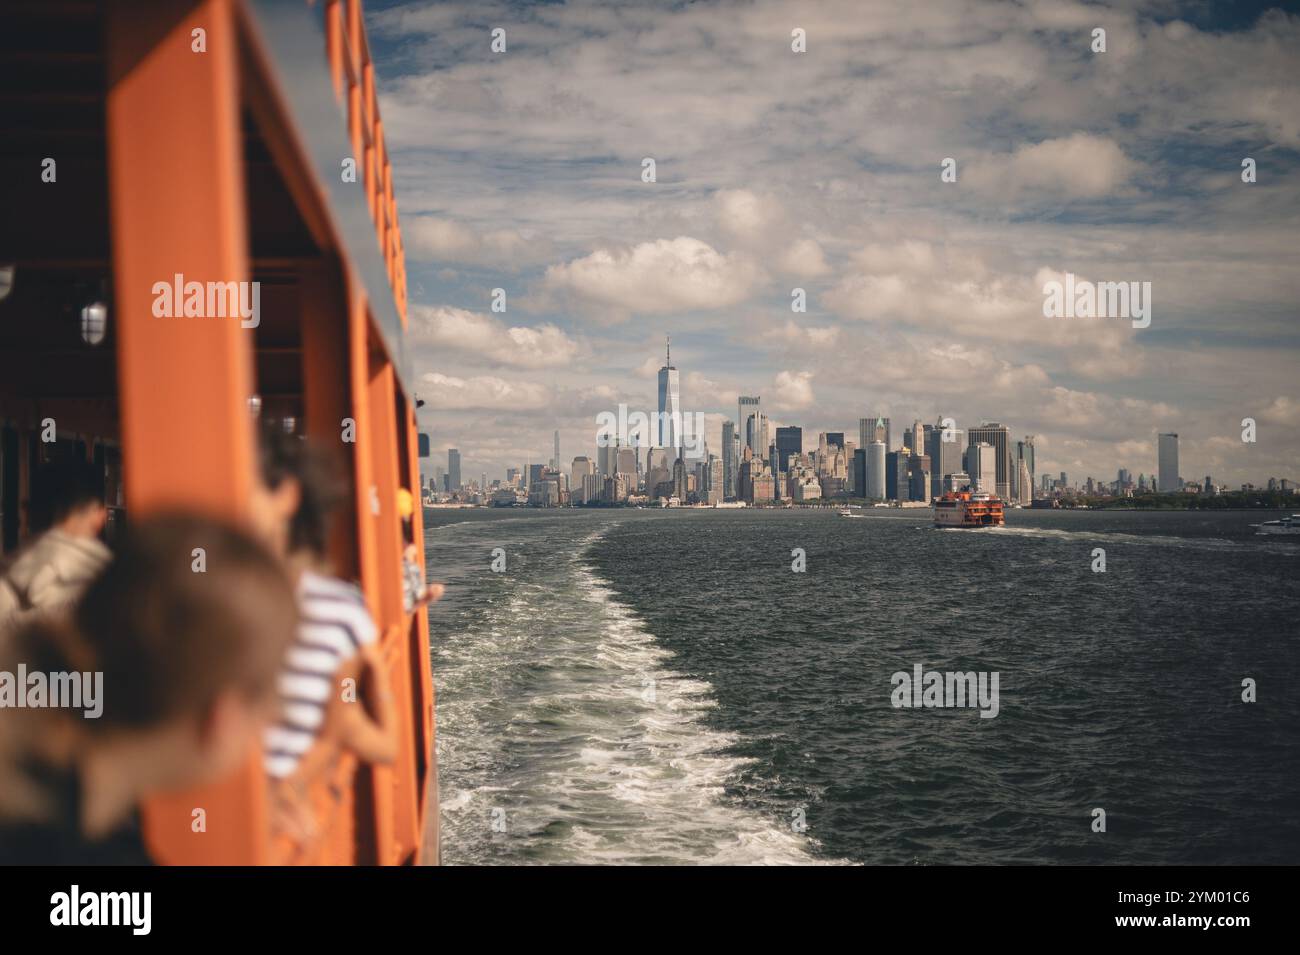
(968, 508)
(232, 142)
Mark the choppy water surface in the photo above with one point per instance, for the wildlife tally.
(644, 686)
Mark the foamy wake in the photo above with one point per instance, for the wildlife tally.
(631, 773)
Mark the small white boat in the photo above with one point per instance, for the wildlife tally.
(1287, 525)
(845, 512)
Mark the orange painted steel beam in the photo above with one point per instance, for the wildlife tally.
(334, 44)
(394, 785)
(384, 415)
(378, 828)
(177, 207)
(422, 689)
(354, 33)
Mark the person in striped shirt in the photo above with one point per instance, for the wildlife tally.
(334, 689)
(336, 638)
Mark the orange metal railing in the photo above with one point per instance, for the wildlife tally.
(354, 87)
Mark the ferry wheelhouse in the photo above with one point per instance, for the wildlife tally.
(142, 141)
(968, 508)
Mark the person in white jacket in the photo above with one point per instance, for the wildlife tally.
(59, 564)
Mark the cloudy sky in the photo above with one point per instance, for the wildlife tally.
(821, 170)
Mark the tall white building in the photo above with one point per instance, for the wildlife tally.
(669, 430)
(1168, 462)
(998, 435)
(981, 465)
(945, 448)
(876, 470)
(582, 467)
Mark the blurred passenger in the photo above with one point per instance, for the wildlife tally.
(189, 657)
(67, 506)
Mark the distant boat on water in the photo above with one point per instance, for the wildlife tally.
(967, 508)
(1287, 525)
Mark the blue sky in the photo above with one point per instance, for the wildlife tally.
(821, 170)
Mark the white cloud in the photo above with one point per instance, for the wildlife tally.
(804, 258)
(544, 346)
(792, 334)
(954, 292)
(666, 275)
(1282, 410)
(700, 391)
(448, 393)
(744, 215)
(428, 238)
(1080, 166)
(793, 390)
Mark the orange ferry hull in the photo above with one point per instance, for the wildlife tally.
(969, 510)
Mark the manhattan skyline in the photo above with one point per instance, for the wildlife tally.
(522, 171)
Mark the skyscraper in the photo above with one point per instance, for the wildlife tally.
(730, 459)
(714, 485)
(607, 457)
(670, 406)
(582, 467)
(873, 429)
(679, 479)
(916, 439)
(945, 455)
(625, 465)
(896, 488)
(981, 465)
(1168, 462)
(919, 477)
(1024, 492)
(990, 432)
(555, 461)
(746, 406)
(876, 471)
(756, 434)
(788, 441)
(453, 469)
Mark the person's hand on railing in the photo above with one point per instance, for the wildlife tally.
(291, 810)
(417, 593)
(369, 726)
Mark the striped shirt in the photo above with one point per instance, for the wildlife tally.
(335, 625)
